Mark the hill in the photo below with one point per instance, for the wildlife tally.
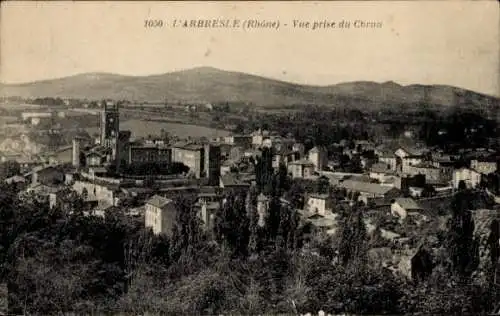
(206, 84)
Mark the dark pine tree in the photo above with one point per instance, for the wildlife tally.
(494, 247)
(353, 237)
(232, 226)
(461, 245)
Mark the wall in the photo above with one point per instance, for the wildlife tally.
(149, 154)
(409, 162)
(432, 175)
(316, 204)
(470, 177)
(97, 191)
(397, 210)
(160, 220)
(391, 161)
(483, 166)
(191, 158)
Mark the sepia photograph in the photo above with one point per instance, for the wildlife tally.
(249, 158)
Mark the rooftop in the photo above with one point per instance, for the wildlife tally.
(366, 187)
(232, 180)
(381, 167)
(303, 162)
(319, 196)
(408, 204)
(158, 201)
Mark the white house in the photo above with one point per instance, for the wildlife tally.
(370, 191)
(319, 157)
(381, 171)
(401, 207)
(319, 204)
(471, 177)
(301, 168)
(160, 215)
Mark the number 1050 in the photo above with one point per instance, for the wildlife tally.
(153, 23)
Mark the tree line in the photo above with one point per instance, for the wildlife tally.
(254, 260)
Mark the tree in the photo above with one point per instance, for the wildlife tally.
(353, 238)
(296, 195)
(232, 226)
(9, 168)
(322, 185)
(462, 247)
(494, 247)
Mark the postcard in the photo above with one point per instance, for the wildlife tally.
(249, 158)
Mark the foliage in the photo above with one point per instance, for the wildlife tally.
(61, 261)
(462, 246)
(9, 168)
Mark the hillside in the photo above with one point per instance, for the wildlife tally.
(207, 84)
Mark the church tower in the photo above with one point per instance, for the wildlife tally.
(110, 129)
(109, 124)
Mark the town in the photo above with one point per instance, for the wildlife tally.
(399, 188)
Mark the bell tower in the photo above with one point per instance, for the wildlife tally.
(110, 130)
(110, 124)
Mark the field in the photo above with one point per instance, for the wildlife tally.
(143, 128)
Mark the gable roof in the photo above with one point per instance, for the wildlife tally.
(319, 196)
(359, 186)
(230, 180)
(317, 149)
(303, 162)
(158, 201)
(408, 203)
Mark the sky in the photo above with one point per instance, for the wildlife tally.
(436, 42)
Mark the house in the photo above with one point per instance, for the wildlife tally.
(202, 160)
(47, 175)
(402, 207)
(319, 157)
(406, 158)
(364, 145)
(389, 159)
(160, 215)
(299, 148)
(96, 190)
(258, 137)
(471, 177)
(403, 152)
(321, 204)
(148, 153)
(380, 171)
(239, 140)
(47, 193)
(327, 223)
(96, 157)
(446, 166)
(284, 157)
(432, 174)
(484, 166)
(302, 168)
(370, 192)
(232, 182)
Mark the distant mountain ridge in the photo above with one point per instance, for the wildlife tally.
(207, 84)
